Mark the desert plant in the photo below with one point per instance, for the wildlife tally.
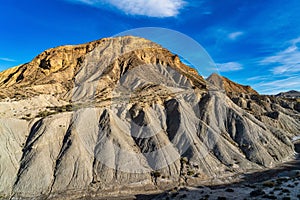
(155, 174)
(286, 191)
(256, 193)
(269, 184)
(184, 160)
(229, 190)
(190, 172)
(45, 113)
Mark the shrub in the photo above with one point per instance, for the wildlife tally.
(285, 191)
(45, 113)
(190, 173)
(276, 188)
(257, 192)
(174, 194)
(269, 196)
(269, 184)
(184, 160)
(229, 190)
(155, 174)
(286, 198)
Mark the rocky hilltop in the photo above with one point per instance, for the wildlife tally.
(290, 94)
(124, 115)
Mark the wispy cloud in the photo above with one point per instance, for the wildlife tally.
(235, 35)
(229, 66)
(150, 8)
(276, 86)
(287, 61)
(257, 78)
(7, 59)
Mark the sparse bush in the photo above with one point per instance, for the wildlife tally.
(250, 186)
(56, 109)
(155, 174)
(276, 188)
(190, 173)
(184, 160)
(64, 108)
(283, 179)
(229, 190)
(286, 191)
(25, 118)
(44, 113)
(269, 196)
(269, 184)
(174, 194)
(257, 192)
(286, 198)
(205, 197)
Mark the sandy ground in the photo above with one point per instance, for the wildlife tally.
(279, 183)
(282, 182)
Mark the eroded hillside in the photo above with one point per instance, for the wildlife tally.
(125, 115)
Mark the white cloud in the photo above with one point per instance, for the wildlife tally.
(276, 86)
(150, 8)
(286, 69)
(257, 78)
(235, 35)
(229, 66)
(7, 59)
(288, 60)
(284, 72)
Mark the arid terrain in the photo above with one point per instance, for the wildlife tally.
(125, 117)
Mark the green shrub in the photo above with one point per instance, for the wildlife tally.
(286, 191)
(269, 184)
(155, 174)
(190, 173)
(44, 113)
(184, 160)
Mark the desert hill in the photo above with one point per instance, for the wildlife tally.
(289, 94)
(125, 115)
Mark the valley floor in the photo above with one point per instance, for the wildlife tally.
(282, 182)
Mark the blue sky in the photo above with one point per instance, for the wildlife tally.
(252, 42)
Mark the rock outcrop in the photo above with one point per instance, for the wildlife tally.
(290, 94)
(125, 115)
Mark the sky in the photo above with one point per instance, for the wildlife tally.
(251, 42)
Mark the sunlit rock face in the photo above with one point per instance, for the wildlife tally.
(125, 115)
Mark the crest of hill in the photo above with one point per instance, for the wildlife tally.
(229, 86)
(54, 70)
(289, 94)
(168, 131)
